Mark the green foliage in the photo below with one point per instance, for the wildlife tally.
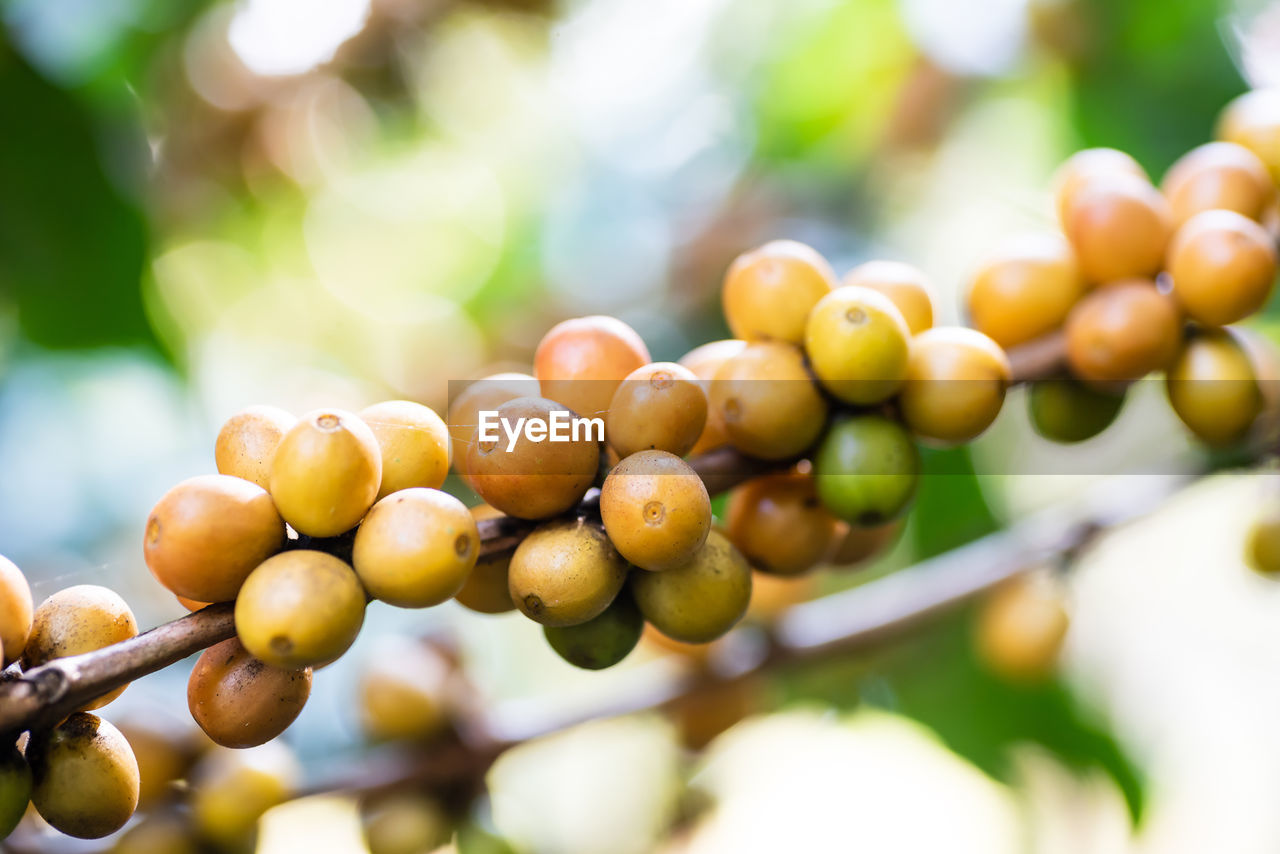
(72, 247)
(949, 508)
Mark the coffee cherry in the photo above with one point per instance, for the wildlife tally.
(416, 548)
(778, 523)
(856, 341)
(85, 777)
(326, 473)
(414, 442)
(772, 595)
(1084, 167)
(191, 604)
(956, 382)
(15, 788)
(1020, 629)
(406, 823)
(405, 692)
(655, 509)
(660, 407)
(164, 750)
(300, 609)
(532, 480)
(1223, 267)
(1262, 543)
(1119, 227)
(75, 620)
(580, 362)
(906, 286)
(485, 394)
(768, 292)
(866, 470)
(1066, 410)
(704, 361)
(207, 534)
(486, 589)
(1212, 387)
(856, 544)
(1025, 290)
(602, 641)
(248, 440)
(1122, 332)
(701, 600)
(565, 573)
(1219, 176)
(16, 610)
(231, 789)
(240, 701)
(1253, 121)
(767, 402)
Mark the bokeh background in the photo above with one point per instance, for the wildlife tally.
(206, 205)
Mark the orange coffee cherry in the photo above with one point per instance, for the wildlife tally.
(580, 362)
(906, 285)
(956, 381)
(1122, 332)
(779, 524)
(1025, 290)
(1085, 166)
(1253, 120)
(768, 291)
(1223, 266)
(1119, 227)
(660, 407)
(704, 361)
(767, 401)
(1219, 176)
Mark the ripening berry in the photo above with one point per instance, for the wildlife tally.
(956, 383)
(768, 292)
(908, 288)
(866, 470)
(1086, 166)
(659, 407)
(231, 789)
(405, 691)
(565, 573)
(1066, 410)
(580, 362)
(1119, 227)
(486, 590)
(85, 777)
(326, 473)
(248, 440)
(779, 524)
(857, 343)
(1219, 176)
(15, 788)
(1223, 267)
(79, 619)
(655, 509)
(484, 394)
(207, 534)
(767, 401)
(704, 361)
(1020, 630)
(16, 610)
(700, 600)
(240, 701)
(1253, 121)
(854, 545)
(1122, 333)
(1025, 290)
(602, 641)
(1212, 387)
(414, 442)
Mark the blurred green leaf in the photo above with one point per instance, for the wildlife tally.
(949, 508)
(71, 247)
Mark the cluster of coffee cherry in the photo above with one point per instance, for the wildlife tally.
(827, 387)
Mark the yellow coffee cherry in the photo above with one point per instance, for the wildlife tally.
(660, 407)
(300, 609)
(414, 442)
(1253, 121)
(326, 473)
(16, 610)
(1219, 176)
(1223, 267)
(484, 394)
(1025, 290)
(1020, 629)
(405, 823)
(704, 361)
(769, 291)
(405, 692)
(248, 440)
(85, 777)
(655, 509)
(1212, 387)
(79, 619)
(416, 548)
(767, 401)
(700, 600)
(565, 573)
(856, 340)
(207, 534)
(231, 789)
(1085, 166)
(956, 382)
(908, 288)
(486, 589)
